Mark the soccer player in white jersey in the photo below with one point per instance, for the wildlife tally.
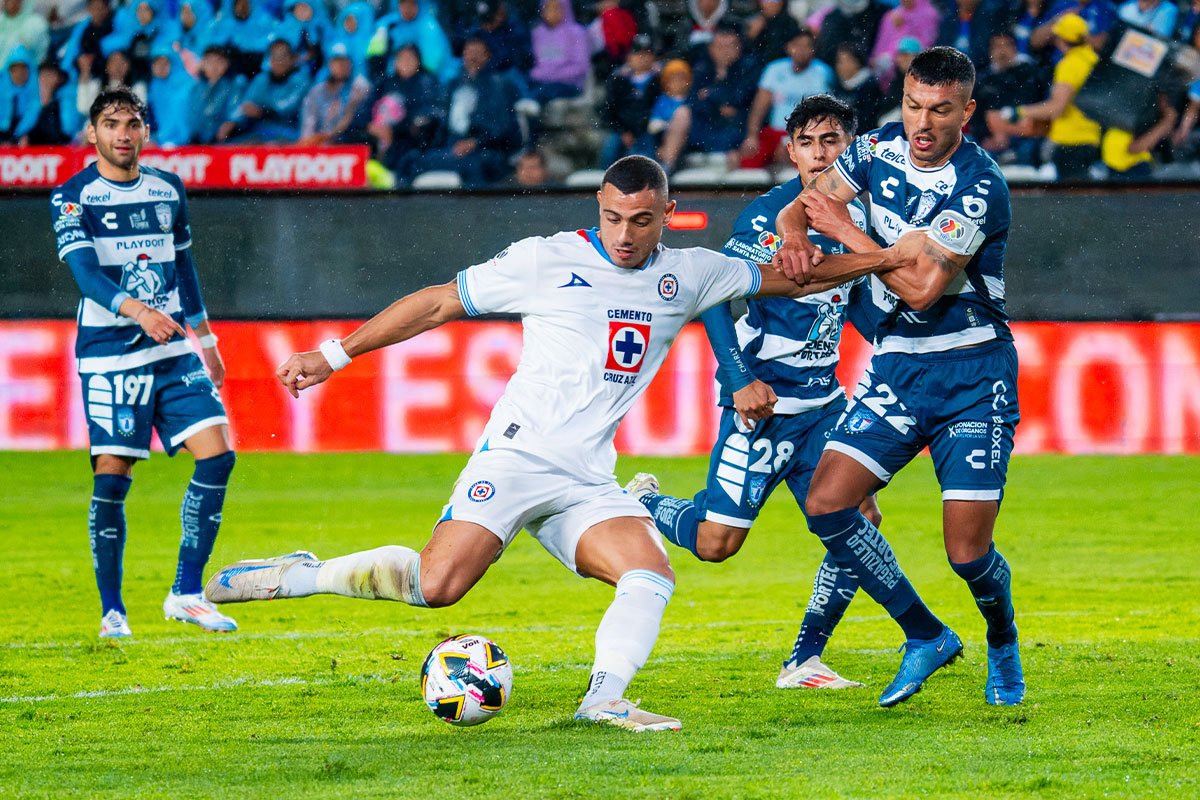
(124, 232)
(599, 310)
(944, 371)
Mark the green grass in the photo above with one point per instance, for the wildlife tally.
(318, 698)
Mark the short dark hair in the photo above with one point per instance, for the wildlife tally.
(117, 97)
(632, 174)
(820, 107)
(803, 31)
(943, 66)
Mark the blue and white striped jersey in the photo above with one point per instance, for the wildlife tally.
(126, 240)
(792, 344)
(965, 208)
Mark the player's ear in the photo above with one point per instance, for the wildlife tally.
(668, 212)
(90, 133)
(969, 111)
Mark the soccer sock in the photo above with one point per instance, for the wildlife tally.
(860, 550)
(832, 592)
(200, 517)
(675, 518)
(106, 533)
(990, 581)
(627, 634)
(392, 572)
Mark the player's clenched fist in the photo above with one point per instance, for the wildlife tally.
(303, 370)
(754, 402)
(796, 258)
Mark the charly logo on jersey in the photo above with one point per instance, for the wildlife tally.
(481, 490)
(162, 213)
(668, 286)
(627, 344)
(142, 278)
(769, 241)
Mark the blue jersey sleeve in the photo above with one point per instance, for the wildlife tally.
(854, 164)
(77, 250)
(976, 212)
(93, 283)
(722, 337)
(190, 297)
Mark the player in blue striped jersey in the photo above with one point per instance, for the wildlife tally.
(779, 394)
(944, 372)
(123, 231)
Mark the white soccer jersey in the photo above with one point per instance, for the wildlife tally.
(594, 336)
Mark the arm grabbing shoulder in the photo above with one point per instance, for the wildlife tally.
(924, 272)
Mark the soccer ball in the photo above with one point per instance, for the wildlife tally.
(466, 680)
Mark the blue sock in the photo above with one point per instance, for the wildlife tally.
(990, 582)
(832, 592)
(675, 519)
(106, 532)
(200, 515)
(864, 555)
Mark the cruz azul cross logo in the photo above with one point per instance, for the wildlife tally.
(627, 344)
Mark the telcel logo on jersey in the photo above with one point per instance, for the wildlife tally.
(668, 287)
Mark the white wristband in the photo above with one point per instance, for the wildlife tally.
(208, 341)
(335, 354)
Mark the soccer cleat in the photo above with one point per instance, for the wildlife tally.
(195, 609)
(627, 715)
(812, 674)
(255, 579)
(922, 658)
(642, 484)
(114, 625)
(1006, 681)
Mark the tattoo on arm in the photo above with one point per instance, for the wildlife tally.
(940, 257)
(826, 182)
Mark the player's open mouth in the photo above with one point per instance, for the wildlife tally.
(922, 142)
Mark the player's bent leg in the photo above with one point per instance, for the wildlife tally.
(106, 534)
(716, 541)
(832, 592)
(626, 553)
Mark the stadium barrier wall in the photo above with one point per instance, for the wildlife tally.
(1094, 256)
(1084, 388)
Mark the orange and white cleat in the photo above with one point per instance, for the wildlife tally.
(812, 674)
(194, 608)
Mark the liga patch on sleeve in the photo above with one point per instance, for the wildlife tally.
(956, 233)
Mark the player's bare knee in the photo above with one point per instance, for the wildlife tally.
(717, 542)
(873, 516)
(108, 464)
(441, 588)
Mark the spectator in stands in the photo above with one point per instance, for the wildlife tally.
(413, 23)
(355, 25)
(214, 98)
(135, 27)
(1030, 15)
(705, 16)
(531, 171)
(20, 101)
(670, 117)
(408, 109)
(724, 87)
(22, 26)
(305, 27)
(1099, 15)
(1154, 16)
(507, 38)
(169, 96)
(118, 71)
(270, 109)
(480, 120)
(85, 87)
(968, 26)
(560, 54)
(629, 97)
(243, 30)
(57, 121)
(915, 18)
(335, 110)
(1186, 139)
(892, 80)
(858, 87)
(86, 35)
(188, 33)
(1010, 79)
(769, 31)
(1076, 138)
(781, 87)
(611, 33)
(852, 22)
(1127, 154)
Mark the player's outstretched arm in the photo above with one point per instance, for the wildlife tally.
(916, 268)
(797, 255)
(403, 319)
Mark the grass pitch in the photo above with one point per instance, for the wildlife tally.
(318, 697)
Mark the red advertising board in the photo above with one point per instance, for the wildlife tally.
(1084, 388)
(226, 167)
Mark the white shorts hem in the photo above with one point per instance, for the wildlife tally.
(733, 522)
(971, 494)
(187, 432)
(862, 458)
(114, 450)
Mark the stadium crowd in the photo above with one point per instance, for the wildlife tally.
(515, 91)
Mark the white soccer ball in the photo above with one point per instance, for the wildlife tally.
(466, 679)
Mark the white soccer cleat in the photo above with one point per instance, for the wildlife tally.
(254, 579)
(195, 609)
(627, 715)
(114, 625)
(642, 484)
(812, 674)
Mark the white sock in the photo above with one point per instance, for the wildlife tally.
(627, 634)
(392, 572)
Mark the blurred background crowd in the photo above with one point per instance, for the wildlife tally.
(528, 92)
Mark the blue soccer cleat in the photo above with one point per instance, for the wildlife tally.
(1006, 681)
(922, 658)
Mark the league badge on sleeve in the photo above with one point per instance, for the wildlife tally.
(769, 241)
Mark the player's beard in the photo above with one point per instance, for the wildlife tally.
(127, 160)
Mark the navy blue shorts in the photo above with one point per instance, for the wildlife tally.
(747, 465)
(962, 404)
(174, 396)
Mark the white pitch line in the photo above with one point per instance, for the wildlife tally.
(226, 685)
